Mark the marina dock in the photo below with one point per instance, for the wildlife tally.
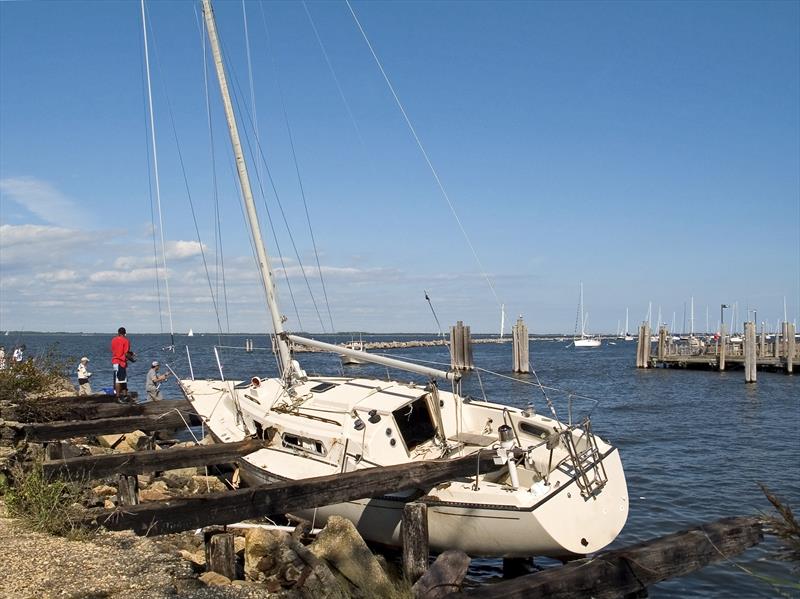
(750, 351)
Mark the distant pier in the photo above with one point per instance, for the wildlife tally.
(723, 351)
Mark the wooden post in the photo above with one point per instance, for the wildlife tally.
(662, 342)
(54, 451)
(128, 489)
(414, 528)
(722, 346)
(749, 352)
(460, 347)
(777, 344)
(762, 342)
(220, 552)
(643, 346)
(520, 346)
(790, 347)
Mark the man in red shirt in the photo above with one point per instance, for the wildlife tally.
(120, 346)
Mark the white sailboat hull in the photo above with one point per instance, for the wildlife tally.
(493, 520)
(587, 342)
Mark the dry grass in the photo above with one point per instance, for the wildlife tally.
(784, 525)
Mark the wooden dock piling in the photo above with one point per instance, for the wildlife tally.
(521, 347)
(723, 344)
(750, 352)
(790, 347)
(643, 346)
(663, 335)
(460, 347)
(220, 551)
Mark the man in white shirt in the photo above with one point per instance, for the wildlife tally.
(84, 386)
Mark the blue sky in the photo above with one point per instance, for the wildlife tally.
(650, 150)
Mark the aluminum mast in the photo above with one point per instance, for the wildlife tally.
(247, 193)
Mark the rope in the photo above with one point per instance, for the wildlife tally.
(244, 111)
(425, 155)
(155, 171)
(296, 164)
(188, 194)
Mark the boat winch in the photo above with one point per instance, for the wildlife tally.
(505, 453)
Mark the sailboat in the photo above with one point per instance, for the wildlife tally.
(350, 359)
(190, 333)
(584, 340)
(561, 491)
(628, 336)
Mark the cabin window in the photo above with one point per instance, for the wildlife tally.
(415, 423)
(322, 387)
(303, 444)
(536, 431)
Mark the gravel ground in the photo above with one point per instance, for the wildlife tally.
(110, 565)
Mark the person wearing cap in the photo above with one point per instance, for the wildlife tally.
(84, 386)
(153, 382)
(120, 348)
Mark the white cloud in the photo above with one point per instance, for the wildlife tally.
(58, 276)
(123, 276)
(41, 199)
(181, 250)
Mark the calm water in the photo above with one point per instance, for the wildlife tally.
(693, 443)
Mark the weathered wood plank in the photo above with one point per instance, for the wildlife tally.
(632, 569)
(127, 490)
(55, 431)
(174, 515)
(414, 529)
(220, 553)
(142, 462)
(37, 411)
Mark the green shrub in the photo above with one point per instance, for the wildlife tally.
(42, 375)
(45, 506)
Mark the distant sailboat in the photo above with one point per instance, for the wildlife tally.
(584, 340)
(190, 333)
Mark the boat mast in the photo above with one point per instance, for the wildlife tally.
(247, 193)
(626, 322)
(583, 321)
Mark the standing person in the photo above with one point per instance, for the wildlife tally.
(120, 347)
(84, 386)
(153, 382)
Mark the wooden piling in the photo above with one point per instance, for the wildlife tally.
(663, 334)
(643, 346)
(790, 347)
(762, 342)
(776, 344)
(128, 489)
(521, 346)
(220, 552)
(460, 347)
(750, 352)
(414, 529)
(722, 346)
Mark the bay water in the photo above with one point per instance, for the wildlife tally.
(694, 444)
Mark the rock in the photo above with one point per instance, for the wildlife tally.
(185, 472)
(95, 450)
(151, 494)
(137, 440)
(260, 547)
(238, 545)
(109, 503)
(174, 481)
(197, 558)
(443, 577)
(104, 490)
(340, 545)
(206, 484)
(110, 441)
(214, 579)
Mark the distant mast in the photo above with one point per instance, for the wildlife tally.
(502, 319)
(247, 195)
